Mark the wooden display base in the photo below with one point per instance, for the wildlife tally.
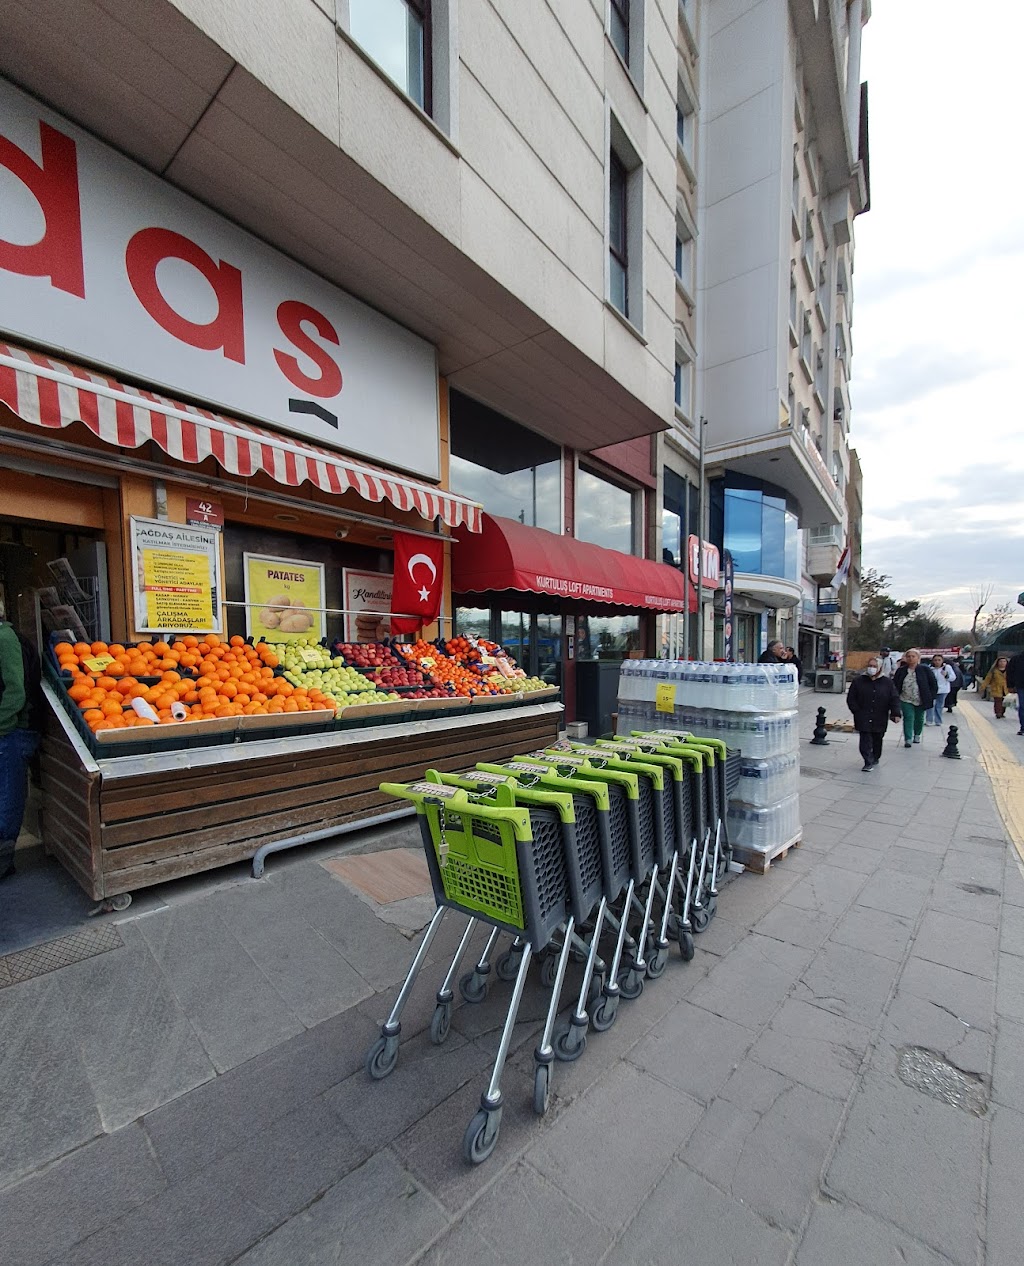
(754, 860)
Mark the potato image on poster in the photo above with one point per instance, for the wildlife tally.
(284, 598)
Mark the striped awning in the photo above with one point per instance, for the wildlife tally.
(54, 394)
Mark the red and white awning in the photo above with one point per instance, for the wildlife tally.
(54, 394)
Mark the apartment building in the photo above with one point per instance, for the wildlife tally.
(772, 169)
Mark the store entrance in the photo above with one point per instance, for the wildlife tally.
(533, 641)
(54, 578)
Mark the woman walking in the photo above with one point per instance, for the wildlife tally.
(994, 682)
(915, 685)
(945, 678)
(872, 699)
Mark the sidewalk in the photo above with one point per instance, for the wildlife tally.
(837, 1077)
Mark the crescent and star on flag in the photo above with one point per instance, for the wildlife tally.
(424, 592)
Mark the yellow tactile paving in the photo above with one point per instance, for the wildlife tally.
(1005, 773)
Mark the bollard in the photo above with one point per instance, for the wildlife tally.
(952, 749)
(820, 739)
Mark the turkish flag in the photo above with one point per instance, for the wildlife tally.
(418, 583)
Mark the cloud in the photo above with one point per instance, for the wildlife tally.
(914, 373)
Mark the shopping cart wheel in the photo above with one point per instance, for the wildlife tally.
(657, 961)
(602, 1017)
(685, 944)
(507, 965)
(382, 1057)
(548, 970)
(596, 989)
(570, 1043)
(700, 918)
(631, 984)
(712, 905)
(481, 1136)
(473, 987)
(541, 1088)
(441, 1023)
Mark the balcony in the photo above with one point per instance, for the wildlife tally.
(822, 561)
(788, 458)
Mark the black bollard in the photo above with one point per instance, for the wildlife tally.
(820, 739)
(952, 749)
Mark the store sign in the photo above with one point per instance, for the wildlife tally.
(728, 618)
(199, 510)
(712, 577)
(367, 604)
(175, 577)
(105, 262)
(284, 598)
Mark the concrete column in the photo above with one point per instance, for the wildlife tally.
(854, 19)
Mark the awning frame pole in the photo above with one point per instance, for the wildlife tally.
(700, 543)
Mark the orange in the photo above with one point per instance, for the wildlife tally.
(92, 714)
(115, 649)
(224, 711)
(145, 721)
(213, 639)
(82, 648)
(170, 675)
(110, 708)
(99, 648)
(63, 648)
(105, 683)
(161, 648)
(78, 692)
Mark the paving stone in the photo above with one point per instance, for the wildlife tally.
(976, 867)
(460, 1247)
(722, 1230)
(812, 1046)
(911, 861)
(527, 1220)
(713, 1047)
(228, 1000)
(913, 1021)
(1011, 932)
(928, 834)
(1008, 1074)
(1010, 987)
(838, 1234)
(377, 1112)
(49, 1212)
(138, 1047)
(1005, 1224)
(748, 984)
(1013, 883)
(895, 894)
(809, 928)
(47, 1106)
(244, 1103)
(856, 856)
(879, 1165)
(878, 835)
(876, 931)
(963, 944)
(968, 998)
(978, 902)
(721, 934)
(753, 1087)
(379, 1213)
(848, 982)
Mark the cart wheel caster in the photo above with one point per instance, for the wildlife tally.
(570, 1043)
(602, 1017)
(507, 966)
(481, 1136)
(441, 1023)
(656, 963)
(472, 987)
(595, 991)
(382, 1057)
(111, 904)
(712, 906)
(700, 918)
(548, 970)
(631, 984)
(541, 1088)
(685, 945)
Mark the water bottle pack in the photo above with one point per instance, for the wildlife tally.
(756, 734)
(768, 780)
(723, 687)
(763, 829)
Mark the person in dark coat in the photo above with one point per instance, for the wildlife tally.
(915, 684)
(1015, 680)
(956, 686)
(873, 700)
(775, 654)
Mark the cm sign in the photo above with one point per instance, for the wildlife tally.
(103, 261)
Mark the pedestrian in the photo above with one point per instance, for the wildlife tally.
(873, 700)
(944, 678)
(1015, 680)
(956, 686)
(19, 716)
(995, 683)
(915, 685)
(793, 658)
(775, 654)
(888, 662)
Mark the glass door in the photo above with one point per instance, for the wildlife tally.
(548, 649)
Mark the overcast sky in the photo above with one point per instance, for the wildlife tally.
(939, 302)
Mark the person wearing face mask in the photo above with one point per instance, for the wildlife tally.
(917, 690)
(873, 700)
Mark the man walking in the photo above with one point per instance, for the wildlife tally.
(19, 688)
(1015, 680)
(888, 662)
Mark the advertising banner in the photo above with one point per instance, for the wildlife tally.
(367, 604)
(175, 577)
(284, 598)
(727, 583)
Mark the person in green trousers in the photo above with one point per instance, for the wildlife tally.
(916, 686)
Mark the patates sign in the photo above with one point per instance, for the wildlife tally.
(102, 260)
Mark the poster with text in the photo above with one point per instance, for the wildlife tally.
(367, 604)
(284, 598)
(175, 577)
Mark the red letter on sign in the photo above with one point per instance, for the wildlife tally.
(290, 316)
(146, 250)
(54, 184)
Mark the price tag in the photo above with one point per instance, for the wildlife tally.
(665, 697)
(310, 655)
(99, 663)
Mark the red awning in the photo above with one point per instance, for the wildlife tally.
(507, 555)
(54, 394)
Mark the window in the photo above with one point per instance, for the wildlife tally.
(684, 384)
(757, 527)
(805, 341)
(396, 34)
(684, 257)
(618, 234)
(791, 402)
(823, 534)
(686, 130)
(618, 27)
(792, 295)
(682, 132)
(819, 372)
(604, 512)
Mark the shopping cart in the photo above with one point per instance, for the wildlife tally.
(502, 864)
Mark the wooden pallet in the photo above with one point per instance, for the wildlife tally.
(758, 862)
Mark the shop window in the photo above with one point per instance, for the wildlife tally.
(396, 34)
(604, 512)
(758, 529)
(473, 622)
(510, 470)
(672, 538)
(610, 637)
